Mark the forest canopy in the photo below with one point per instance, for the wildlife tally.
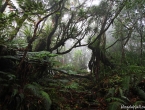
(72, 54)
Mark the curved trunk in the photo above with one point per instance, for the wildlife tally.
(94, 64)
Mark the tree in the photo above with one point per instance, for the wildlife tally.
(104, 20)
(126, 26)
(33, 33)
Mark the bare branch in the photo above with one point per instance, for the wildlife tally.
(112, 20)
(117, 41)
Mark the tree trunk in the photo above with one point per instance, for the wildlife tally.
(141, 49)
(94, 64)
(122, 51)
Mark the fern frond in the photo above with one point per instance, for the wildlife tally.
(111, 91)
(139, 102)
(114, 105)
(140, 93)
(7, 76)
(46, 100)
(126, 83)
(121, 92)
(34, 90)
(116, 99)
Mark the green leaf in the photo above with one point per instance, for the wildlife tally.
(115, 99)
(0, 3)
(121, 92)
(15, 91)
(126, 83)
(140, 93)
(34, 90)
(46, 99)
(114, 106)
(139, 102)
(9, 57)
(8, 76)
(58, 13)
(111, 91)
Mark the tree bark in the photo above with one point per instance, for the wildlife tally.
(3, 7)
(94, 64)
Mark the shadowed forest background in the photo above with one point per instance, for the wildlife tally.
(72, 54)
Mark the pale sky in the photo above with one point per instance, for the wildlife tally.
(89, 2)
(16, 5)
(93, 2)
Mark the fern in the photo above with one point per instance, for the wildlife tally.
(126, 83)
(46, 100)
(112, 99)
(35, 90)
(7, 76)
(28, 31)
(31, 6)
(40, 55)
(114, 105)
(139, 102)
(15, 91)
(73, 85)
(121, 92)
(111, 92)
(140, 92)
(72, 72)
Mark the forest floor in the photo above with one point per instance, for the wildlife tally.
(75, 92)
(79, 92)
